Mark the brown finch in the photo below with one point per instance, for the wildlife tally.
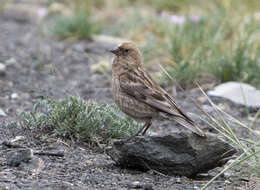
(138, 95)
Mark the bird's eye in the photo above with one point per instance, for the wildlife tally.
(126, 50)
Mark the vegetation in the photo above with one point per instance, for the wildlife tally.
(249, 149)
(78, 26)
(75, 118)
(2, 5)
(191, 39)
(222, 48)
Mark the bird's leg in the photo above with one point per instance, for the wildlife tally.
(148, 124)
(139, 131)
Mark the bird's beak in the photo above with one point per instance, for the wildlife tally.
(114, 51)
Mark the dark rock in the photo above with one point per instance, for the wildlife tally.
(15, 158)
(180, 153)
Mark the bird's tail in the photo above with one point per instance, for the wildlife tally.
(189, 125)
(185, 121)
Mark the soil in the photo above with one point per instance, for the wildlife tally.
(38, 65)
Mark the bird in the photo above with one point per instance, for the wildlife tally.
(139, 96)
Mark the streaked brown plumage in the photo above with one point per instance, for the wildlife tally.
(138, 95)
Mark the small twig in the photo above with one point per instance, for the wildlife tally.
(10, 144)
(15, 145)
(58, 154)
(159, 173)
(153, 170)
(62, 142)
(6, 181)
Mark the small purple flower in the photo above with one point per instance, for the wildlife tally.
(164, 14)
(195, 18)
(41, 13)
(176, 19)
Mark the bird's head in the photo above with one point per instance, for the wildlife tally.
(129, 52)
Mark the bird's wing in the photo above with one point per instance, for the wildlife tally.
(139, 84)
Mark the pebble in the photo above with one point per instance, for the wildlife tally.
(2, 69)
(114, 41)
(227, 174)
(15, 158)
(139, 185)
(11, 61)
(208, 108)
(178, 180)
(100, 68)
(14, 96)
(2, 113)
(35, 165)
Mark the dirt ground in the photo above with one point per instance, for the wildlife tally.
(37, 65)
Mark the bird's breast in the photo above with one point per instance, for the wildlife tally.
(136, 109)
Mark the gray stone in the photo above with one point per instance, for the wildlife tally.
(11, 61)
(237, 92)
(14, 96)
(2, 69)
(35, 165)
(103, 43)
(15, 158)
(2, 113)
(180, 153)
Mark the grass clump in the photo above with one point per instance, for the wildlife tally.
(73, 117)
(78, 26)
(223, 48)
(249, 150)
